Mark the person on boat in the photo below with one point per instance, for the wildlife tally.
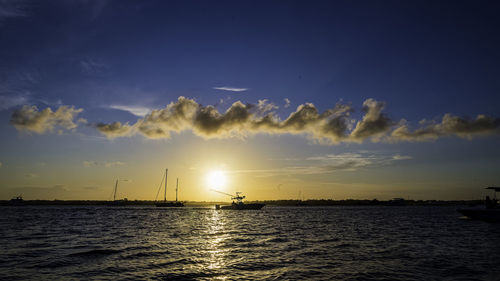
(487, 202)
(494, 203)
(491, 203)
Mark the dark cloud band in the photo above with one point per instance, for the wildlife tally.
(332, 126)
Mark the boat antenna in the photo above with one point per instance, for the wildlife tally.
(236, 197)
(176, 188)
(116, 187)
(222, 192)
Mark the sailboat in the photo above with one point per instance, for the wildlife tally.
(166, 203)
(120, 202)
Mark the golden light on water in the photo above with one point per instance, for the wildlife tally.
(216, 179)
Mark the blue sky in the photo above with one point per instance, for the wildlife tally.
(115, 61)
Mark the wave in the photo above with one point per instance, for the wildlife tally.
(95, 253)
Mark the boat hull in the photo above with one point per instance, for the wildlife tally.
(118, 203)
(254, 206)
(169, 204)
(492, 215)
(16, 202)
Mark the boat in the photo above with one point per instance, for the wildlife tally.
(489, 212)
(166, 203)
(238, 205)
(119, 202)
(17, 201)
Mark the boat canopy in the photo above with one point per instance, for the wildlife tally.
(496, 188)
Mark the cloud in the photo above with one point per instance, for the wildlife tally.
(12, 9)
(7, 102)
(264, 106)
(332, 126)
(450, 125)
(331, 163)
(30, 119)
(231, 89)
(16, 87)
(93, 67)
(374, 122)
(115, 129)
(135, 110)
(106, 164)
(238, 120)
(90, 163)
(31, 175)
(113, 164)
(398, 157)
(355, 161)
(287, 103)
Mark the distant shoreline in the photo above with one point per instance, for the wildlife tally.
(297, 203)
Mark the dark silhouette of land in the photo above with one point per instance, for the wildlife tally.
(298, 203)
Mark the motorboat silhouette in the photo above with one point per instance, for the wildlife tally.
(238, 205)
(17, 201)
(490, 211)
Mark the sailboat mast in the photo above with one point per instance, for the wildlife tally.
(116, 187)
(176, 188)
(165, 194)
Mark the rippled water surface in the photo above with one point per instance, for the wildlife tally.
(275, 243)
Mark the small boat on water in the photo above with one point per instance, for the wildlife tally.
(238, 205)
(166, 203)
(119, 202)
(17, 201)
(490, 212)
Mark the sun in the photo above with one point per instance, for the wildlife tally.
(216, 179)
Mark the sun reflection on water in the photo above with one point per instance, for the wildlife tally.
(215, 237)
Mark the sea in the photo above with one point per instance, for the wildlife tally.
(275, 243)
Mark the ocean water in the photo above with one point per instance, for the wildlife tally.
(275, 243)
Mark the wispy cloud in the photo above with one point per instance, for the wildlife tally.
(264, 106)
(135, 110)
(16, 86)
(106, 164)
(401, 157)
(30, 119)
(332, 126)
(231, 89)
(330, 163)
(93, 67)
(12, 9)
(7, 102)
(287, 103)
(354, 161)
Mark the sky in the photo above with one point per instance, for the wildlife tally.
(275, 99)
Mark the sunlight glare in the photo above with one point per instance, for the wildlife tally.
(216, 179)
